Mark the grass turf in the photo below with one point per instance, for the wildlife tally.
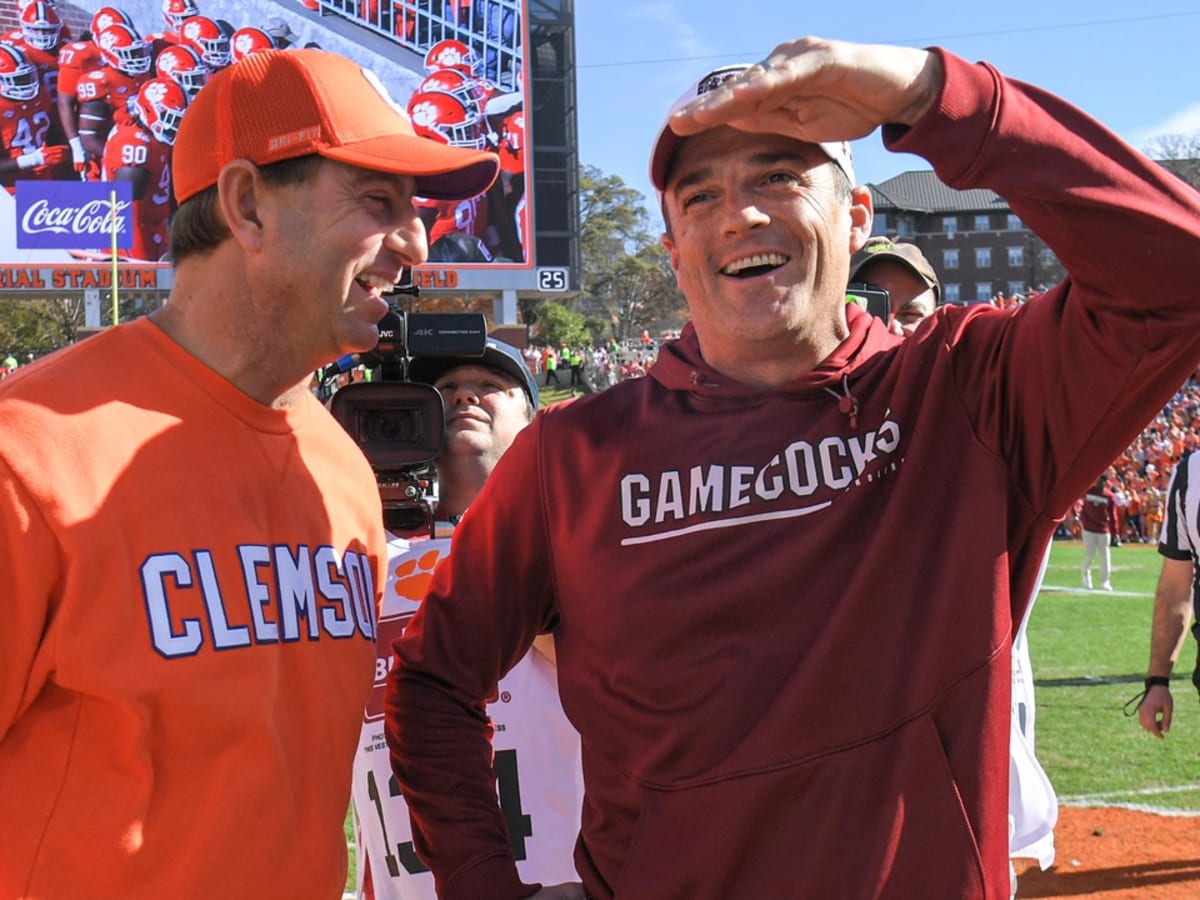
(1090, 650)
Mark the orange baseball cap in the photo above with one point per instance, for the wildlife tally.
(280, 104)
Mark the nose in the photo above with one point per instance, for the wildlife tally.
(466, 394)
(742, 214)
(408, 239)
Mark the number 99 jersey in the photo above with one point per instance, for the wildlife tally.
(538, 772)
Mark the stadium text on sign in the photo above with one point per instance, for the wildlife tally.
(40, 277)
(435, 278)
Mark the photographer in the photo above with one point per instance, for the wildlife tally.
(488, 400)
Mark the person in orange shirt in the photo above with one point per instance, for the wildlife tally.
(194, 546)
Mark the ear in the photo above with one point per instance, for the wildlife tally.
(668, 243)
(240, 197)
(862, 214)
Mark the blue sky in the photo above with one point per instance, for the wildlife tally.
(1136, 69)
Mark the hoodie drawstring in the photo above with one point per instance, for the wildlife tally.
(847, 405)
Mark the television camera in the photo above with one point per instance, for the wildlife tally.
(398, 424)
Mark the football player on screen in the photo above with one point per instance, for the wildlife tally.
(139, 151)
(26, 121)
(457, 229)
(104, 94)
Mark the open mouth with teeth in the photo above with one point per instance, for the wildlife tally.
(373, 284)
(759, 264)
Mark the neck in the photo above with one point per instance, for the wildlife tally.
(770, 369)
(776, 359)
(460, 479)
(220, 328)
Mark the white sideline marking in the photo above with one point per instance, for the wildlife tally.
(1063, 589)
(1098, 799)
(1165, 812)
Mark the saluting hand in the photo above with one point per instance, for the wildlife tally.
(816, 90)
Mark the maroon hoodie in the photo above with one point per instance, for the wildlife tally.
(783, 617)
(1098, 512)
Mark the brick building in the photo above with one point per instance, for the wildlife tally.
(974, 241)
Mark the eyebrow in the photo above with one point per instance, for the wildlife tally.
(764, 158)
(361, 177)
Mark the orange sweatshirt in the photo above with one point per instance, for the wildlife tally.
(189, 583)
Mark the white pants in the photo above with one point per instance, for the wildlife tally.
(1094, 542)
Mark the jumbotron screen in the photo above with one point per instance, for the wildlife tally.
(92, 95)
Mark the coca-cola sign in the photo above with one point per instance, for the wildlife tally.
(73, 215)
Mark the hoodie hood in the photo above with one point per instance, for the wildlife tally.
(680, 366)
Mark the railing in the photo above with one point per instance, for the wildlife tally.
(492, 29)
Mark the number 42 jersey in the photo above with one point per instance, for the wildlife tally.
(538, 773)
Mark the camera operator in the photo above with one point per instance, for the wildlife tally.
(488, 400)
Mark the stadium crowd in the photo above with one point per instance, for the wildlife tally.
(1139, 476)
(594, 367)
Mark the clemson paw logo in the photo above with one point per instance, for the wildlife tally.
(413, 575)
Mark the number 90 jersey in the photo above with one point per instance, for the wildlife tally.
(538, 773)
(129, 146)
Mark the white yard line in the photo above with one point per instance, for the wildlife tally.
(1105, 798)
(1064, 589)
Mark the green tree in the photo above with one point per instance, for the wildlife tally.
(643, 295)
(39, 326)
(627, 278)
(558, 325)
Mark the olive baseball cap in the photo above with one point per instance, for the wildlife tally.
(908, 255)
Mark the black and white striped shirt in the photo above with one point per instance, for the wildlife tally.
(1180, 535)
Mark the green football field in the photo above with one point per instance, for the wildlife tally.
(1090, 650)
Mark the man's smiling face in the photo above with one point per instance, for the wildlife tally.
(760, 239)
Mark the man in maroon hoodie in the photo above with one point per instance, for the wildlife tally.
(773, 702)
(1098, 522)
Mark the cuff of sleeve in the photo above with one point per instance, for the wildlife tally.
(969, 102)
(493, 877)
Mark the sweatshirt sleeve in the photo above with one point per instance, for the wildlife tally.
(29, 569)
(471, 629)
(1062, 385)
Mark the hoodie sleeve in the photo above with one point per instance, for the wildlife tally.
(1062, 385)
(473, 626)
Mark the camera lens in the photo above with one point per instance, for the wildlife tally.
(391, 426)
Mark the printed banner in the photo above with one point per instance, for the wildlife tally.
(73, 215)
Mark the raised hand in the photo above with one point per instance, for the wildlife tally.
(816, 90)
